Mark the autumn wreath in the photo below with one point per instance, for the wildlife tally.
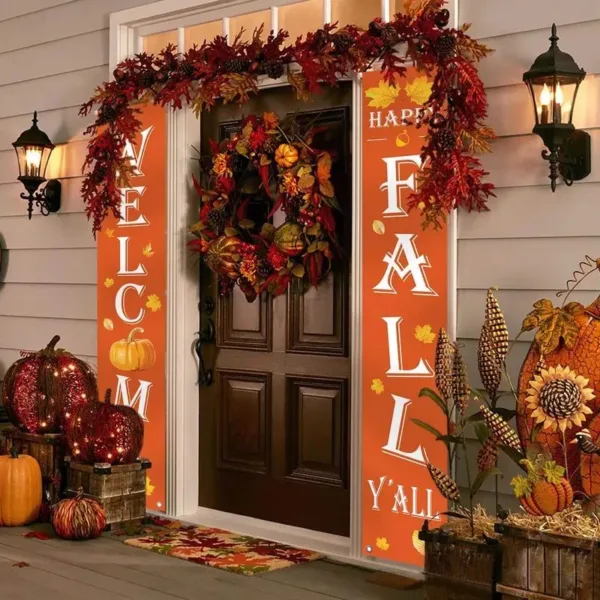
(265, 167)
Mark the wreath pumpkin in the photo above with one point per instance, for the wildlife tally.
(264, 167)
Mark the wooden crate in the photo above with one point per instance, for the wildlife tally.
(48, 450)
(458, 569)
(546, 566)
(120, 489)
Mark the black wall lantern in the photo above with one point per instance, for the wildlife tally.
(33, 150)
(553, 81)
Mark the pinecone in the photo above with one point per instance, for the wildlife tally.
(187, 69)
(444, 484)
(236, 65)
(217, 219)
(271, 144)
(147, 79)
(500, 429)
(263, 269)
(107, 114)
(445, 45)
(460, 384)
(446, 139)
(444, 357)
(320, 38)
(389, 36)
(342, 41)
(497, 324)
(490, 367)
(100, 173)
(442, 18)
(274, 69)
(487, 456)
(375, 28)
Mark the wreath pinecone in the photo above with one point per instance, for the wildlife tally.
(444, 484)
(444, 355)
(274, 69)
(389, 36)
(446, 139)
(108, 114)
(495, 319)
(236, 65)
(445, 45)
(488, 454)
(342, 41)
(100, 173)
(271, 144)
(500, 429)
(217, 219)
(490, 367)
(460, 383)
(187, 69)
(147, 79)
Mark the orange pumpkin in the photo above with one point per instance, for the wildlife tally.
(583, 361)
(131, 354)
(286, 156)
(20, 489)
(78, 518)
(223, 255)
(289, 239)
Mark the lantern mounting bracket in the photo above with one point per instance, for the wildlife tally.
(46, 199)
(571, 159)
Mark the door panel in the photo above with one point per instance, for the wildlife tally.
(274, 425)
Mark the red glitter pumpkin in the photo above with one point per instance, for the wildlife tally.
(42, 389)
(106, 433)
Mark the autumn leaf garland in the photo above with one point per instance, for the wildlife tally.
(456, 103)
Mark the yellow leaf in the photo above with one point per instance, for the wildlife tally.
(382, 544)
(109, 282)
(378, 227)
(149, 487)
(110, 233)
(147, 251)
(377, 386)
(419, 90)
(382, 96)
(298, 270)
(418, 544)
(108, 324)
(153, 303)
(424, 334)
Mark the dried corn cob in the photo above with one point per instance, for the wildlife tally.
(460, 383)
(444, 484)
(490, 366)
(488, 454)
(444, 354)
(500, 429)
(497, 324)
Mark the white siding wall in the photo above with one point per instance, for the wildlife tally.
(531, 240)
(53, 53)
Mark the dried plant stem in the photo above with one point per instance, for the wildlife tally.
(566, 459)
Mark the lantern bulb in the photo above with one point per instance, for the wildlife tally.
(33, 158)
(545, 96)
(559, 94)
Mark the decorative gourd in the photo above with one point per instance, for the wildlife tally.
(42, 389)
(286, 156)
(131, 354)
(564, 397)
(222, 256)
(20, 489)
(288, 239)
(78, 518)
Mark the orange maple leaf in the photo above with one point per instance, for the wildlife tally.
(271, 120)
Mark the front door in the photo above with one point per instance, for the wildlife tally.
(274, 424)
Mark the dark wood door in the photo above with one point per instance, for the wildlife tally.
(274, 424)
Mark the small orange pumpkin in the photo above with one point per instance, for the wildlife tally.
(223, 255)
(20, 489)
(131, 354)
(286, 156)
(78, 518)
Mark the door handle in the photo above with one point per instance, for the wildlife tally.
(206, 336)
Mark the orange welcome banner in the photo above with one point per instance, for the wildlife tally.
(131, 296)
(404, 303)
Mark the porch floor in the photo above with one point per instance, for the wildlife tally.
(106, 569)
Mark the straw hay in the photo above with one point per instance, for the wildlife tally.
(483, 526)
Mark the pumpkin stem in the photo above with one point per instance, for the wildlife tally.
(107, 396)
(132, 334)
(53, 342)
(14, 452)
(79, 493)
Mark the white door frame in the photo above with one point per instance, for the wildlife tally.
(183, 131)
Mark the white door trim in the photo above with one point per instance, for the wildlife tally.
(126, 27)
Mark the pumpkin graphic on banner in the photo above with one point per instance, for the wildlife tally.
(133, 354)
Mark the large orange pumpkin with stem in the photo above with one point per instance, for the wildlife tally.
(20, 489)
(559, 388)
(132, 354)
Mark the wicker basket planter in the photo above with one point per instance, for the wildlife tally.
(547, 566)
(48, 450)
(120, 489)
(458, 569)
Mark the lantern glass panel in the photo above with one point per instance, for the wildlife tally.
(33, 160)
(554, 100)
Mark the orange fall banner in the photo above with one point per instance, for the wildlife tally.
(405, 302)
(131, 296)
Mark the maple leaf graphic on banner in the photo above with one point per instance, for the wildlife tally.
(419, 90)
(149, 487)
(153, 302)
(377, 386)
(110, 233)
(108, 324)
(424, 334)
(382, 544)
(383, 95)
(147, 251)
(109, 282)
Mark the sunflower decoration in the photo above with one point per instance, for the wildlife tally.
(558, 398)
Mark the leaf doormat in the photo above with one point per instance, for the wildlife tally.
(221, 549)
